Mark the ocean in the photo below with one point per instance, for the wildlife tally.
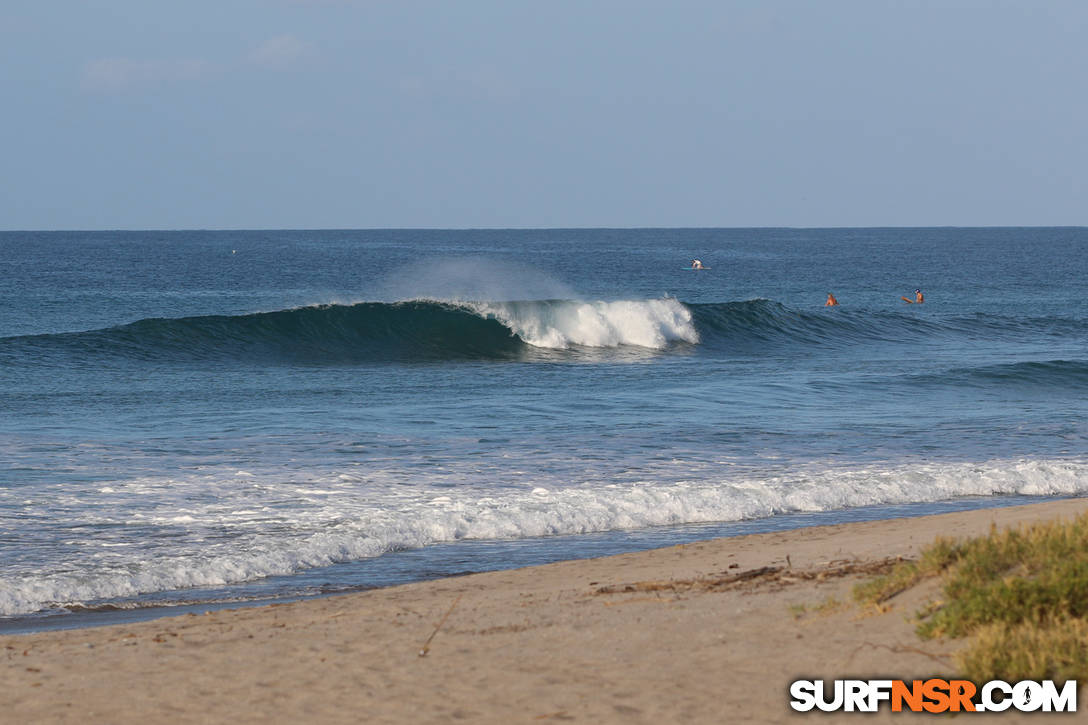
(212, 418)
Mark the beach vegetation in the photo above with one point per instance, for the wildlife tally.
(1020, 593)
(830, 605)
(1056, 648)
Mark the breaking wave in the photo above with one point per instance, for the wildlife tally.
(353, 526)
(412, 330)
(431, 330)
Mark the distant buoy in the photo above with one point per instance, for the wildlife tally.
(234, 251)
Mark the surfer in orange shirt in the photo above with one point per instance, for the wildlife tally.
(918, 298)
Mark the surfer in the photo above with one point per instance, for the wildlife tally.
(696, 264)
(918, 298)
(831, 301)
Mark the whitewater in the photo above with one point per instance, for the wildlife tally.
(218, 417)
(331, 525)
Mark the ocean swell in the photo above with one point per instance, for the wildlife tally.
(375, 331)
(435, 330)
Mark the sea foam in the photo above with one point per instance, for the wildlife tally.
(561, 324)
(348, 524)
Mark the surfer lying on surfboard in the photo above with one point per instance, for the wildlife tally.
(918, 298)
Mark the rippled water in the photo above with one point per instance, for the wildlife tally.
(223, 415)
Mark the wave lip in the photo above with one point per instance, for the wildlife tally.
(561, 324)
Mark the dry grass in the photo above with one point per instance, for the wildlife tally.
(764, 575)
(1021, 593)
(830, 605)
(1054, 649)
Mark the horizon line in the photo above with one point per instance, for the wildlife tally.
(534, 228)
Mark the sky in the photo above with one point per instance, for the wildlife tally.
(324, 114)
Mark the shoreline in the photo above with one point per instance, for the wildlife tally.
(664, 635)
(472, 556)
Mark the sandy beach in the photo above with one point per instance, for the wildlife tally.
(708, 632)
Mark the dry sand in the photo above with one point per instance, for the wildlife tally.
(686, 634)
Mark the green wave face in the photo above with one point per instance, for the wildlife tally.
(435, 331)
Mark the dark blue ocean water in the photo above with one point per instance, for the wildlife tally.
(192, 415)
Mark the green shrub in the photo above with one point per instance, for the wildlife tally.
(1022, 593)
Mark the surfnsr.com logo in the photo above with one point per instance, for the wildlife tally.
(933, 695)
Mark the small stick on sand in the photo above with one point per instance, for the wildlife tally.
(427, 645)
(900, 649)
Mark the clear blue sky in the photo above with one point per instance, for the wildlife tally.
(550, 113)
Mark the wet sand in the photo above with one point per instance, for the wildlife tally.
(709, 632)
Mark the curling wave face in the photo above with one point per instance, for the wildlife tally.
(370, 331)
(441, 330)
